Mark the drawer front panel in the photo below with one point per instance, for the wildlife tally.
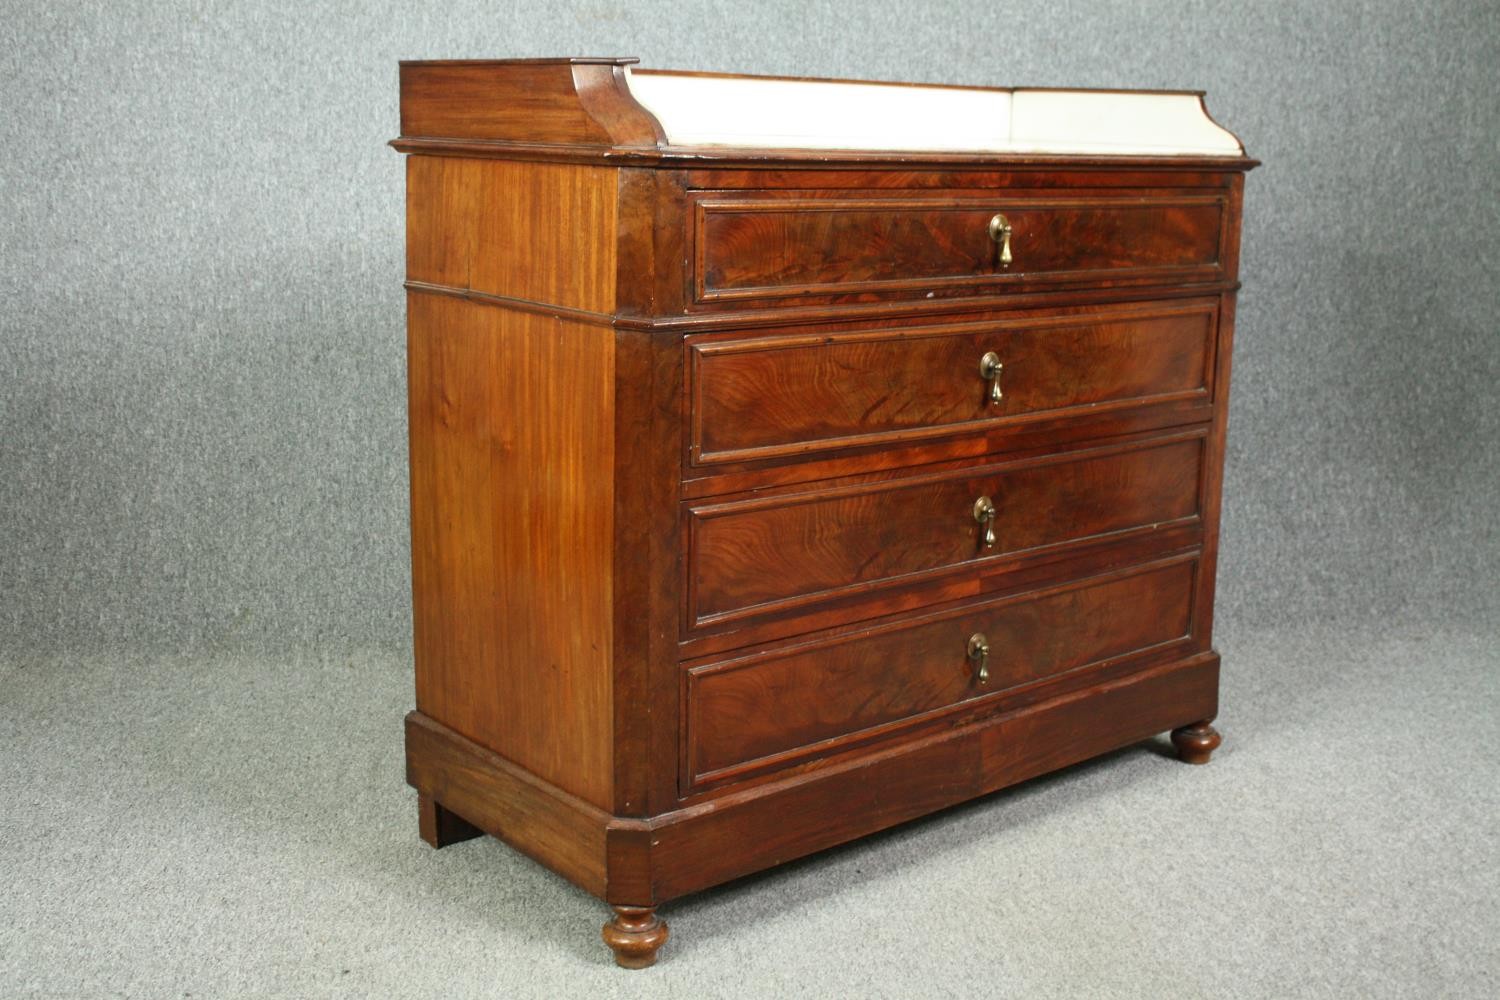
(770, 709)
(771, 397)
(773, 247)
(757, 556)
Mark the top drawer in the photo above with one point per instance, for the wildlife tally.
(764, 245)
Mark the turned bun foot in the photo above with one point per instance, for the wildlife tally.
(635, 936)
(1196, 743)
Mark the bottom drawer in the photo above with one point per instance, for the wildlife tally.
(772, 708)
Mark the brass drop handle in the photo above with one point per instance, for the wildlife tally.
(979, 655)
(1000, 232)
(991, 369)
(984, 513)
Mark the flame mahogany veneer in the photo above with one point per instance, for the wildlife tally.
(765, 498)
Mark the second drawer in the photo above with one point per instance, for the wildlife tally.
(762, 555)
(779, 396)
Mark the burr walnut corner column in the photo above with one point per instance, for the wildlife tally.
(793, 458)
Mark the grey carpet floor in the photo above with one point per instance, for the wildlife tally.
(198, 827)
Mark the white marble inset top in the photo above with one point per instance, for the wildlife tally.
(770, 112)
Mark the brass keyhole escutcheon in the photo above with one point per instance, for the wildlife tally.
(999, 230)
(984, 513)
(979, 655)
(990, 369)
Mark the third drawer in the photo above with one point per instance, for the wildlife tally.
(764, 555)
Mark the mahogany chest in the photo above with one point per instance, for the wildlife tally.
(793, 458)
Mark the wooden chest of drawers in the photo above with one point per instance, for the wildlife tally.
(791, 459)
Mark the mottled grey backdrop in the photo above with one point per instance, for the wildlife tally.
(200, 268)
